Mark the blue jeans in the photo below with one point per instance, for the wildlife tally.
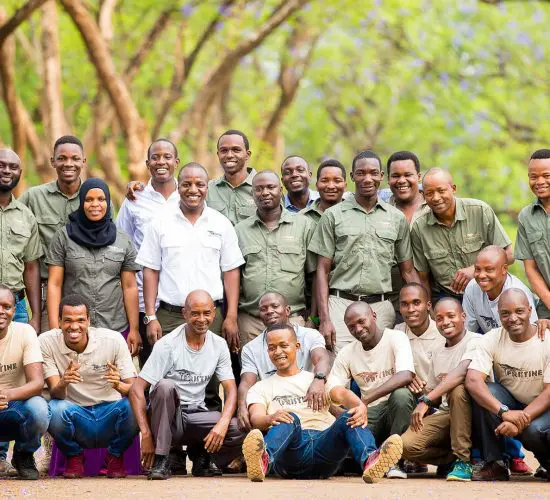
(298, 453)
(25, 422)
(105, 425)
(21, 315)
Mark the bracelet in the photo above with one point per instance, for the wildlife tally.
(424, 399)
(315, 320)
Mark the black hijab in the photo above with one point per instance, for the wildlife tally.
(92, 234)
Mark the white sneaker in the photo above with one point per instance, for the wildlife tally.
(396, 473)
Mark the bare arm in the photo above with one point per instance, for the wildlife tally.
(477, 387)
(539, 286)
(509, 255)
(215, 438)
(32, 387)
(408, 272)
(425, 280)
(230, 328)
(55, 285)
(131, 305)
(400, 379)
(31, 279)
(150, 292)
(247, 381)
(326, 328)
(540, 404)
(139, 407)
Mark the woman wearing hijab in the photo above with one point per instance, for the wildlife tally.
(89, 256)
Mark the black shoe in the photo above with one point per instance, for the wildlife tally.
(444, 469)
(203, 466)
(161, 468)
(25, 466)
(178, 462)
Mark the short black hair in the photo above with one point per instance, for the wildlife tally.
(7, 289)
(402, 156)
(420, 286)
(282, 326)
(365, 154)
(74, 300)
(162, 139)
(233, 131)
(192, 164)
(331, 162)
(447, 298)
(541, 154)
(68, 139)
(294, 156)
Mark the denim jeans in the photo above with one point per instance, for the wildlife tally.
(106, 425)
(21, 315)
(25, 422)
(298, 453)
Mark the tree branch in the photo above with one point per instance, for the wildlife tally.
(20, 16)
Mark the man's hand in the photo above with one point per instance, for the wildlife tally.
(72, 374)
(517, 417)
(147, 451)
(230, 332)
(542, 326)
(358, 417)
(4, 400)
(35, 323)
(417, 385)
(316, 395)
(154, 332)
(113, 375)
(132, 187)
(461, 278)
(214, 440)
(281, 417)
(327, 330)
(243, 418)
(134, 342)
(507, 429)
(417, 415)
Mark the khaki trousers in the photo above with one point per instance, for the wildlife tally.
(250, 326)
(385, 318)
(446, 435)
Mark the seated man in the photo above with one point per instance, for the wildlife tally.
(519, 403)
(381, 363)
(89, 372)
(24, 415)
(178, 371)
(444, 438)
(256, 365)
(300, 442)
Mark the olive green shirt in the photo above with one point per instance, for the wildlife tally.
(313, 212)
(19, 241)
(236, 203)
(275, 260)
(362, 245)
(444, 250)
(51, 208)
(95, 274)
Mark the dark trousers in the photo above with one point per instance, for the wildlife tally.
(535, 437)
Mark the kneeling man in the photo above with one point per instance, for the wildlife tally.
(519, 403)
(89, 372)
(300, 442)
(178, 371)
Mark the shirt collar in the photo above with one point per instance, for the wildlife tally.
(313, 195)
(313, 207)
(351, 203)
(151, 190)
(202, 218)
(537, 206)
(53, 187)
(286, 216)
(431, 332)
(248, 180)
(460, 214)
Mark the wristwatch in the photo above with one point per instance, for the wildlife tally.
(148, 319)
(321, 376)
(424, 399)
(501, 410)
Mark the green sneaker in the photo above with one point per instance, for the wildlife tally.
(461, 471)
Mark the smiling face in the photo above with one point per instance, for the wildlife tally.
(267, 192)
(539, 178)
(296, 175)
(273, 309)
(331, 185)
(515, 312)
(361, 323)
(162, 161)
(10, 170)
(199, 312)
(74, 323)
(414, 306)
(68, 161)
(403, 180)
(7, 309)
(439, 192)
(449, 318)
(232, 153)
(367, 175)
(282, 347)
(192, 188)
(490, 271)
(95, 204)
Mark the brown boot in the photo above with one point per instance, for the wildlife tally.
(492, 471)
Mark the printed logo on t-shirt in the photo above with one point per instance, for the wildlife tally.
(270, 372)
(374, 376)
(514, 372)
(290, 400)
(192, 377)
(490, 322)
(8, 368)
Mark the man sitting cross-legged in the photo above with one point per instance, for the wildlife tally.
(178, 370)
(300, 442)
(89, 372)
(444, 438)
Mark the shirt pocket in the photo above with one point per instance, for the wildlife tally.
(75, 260)
(385, 243)
(219, 206)
(246, 211)
(470, 249)
(438, 260)
(19, 236)
(211, 249)
(112, 262)
(49, 223)
(291, 258)
(537, 244)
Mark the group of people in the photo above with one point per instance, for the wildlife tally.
(371, 332)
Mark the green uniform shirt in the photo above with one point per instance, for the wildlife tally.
(444, 250)
(275, 260)
(363, 245)
(313, 212)
(236, 203)
(51, 208)
(19, 241)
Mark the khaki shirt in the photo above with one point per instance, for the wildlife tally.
(236, 203)
(19, 241)
(313, 212)
(95, 274)
(51, 208)
(275, 260)
(444, 250)
(363, 245)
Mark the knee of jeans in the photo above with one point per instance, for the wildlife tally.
(39, 412)
(401, 397)
(60, 411)
(295, 417)
(532, 434)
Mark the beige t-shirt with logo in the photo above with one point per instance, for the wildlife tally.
(423, 347)
(522, 367)
(289, 393)
(18, 348)
(371, 369)
(103, 345)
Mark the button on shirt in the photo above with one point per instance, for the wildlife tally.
(363, 245)
(134, 216)
(313, 195)
(95, 274)
(444, 250)
(187, 256)
(51, 208)
(275, 260)
(19, 243)
(236, 203)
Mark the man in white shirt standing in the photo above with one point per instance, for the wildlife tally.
(134, 216)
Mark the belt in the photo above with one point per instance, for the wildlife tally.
(20, 295)
(177, 309)
(369, 299)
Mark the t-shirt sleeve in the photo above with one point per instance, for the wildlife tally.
(57, 250)
(497, 235)
(231, 256)
(223, 368)
(247, 361)
(469, 309)
(403, 250)
(32, 352)
(315, 340)
(124, 360)
(158, 364)
(419, 256)
(484, 353)
(33, 250)
(49, 367)
(256, 395)
(522, 250)
(150, 254)
(323, 241)
(341, 368)
(471, 348)
(402, 353)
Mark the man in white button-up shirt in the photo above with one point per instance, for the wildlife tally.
(186, 249)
